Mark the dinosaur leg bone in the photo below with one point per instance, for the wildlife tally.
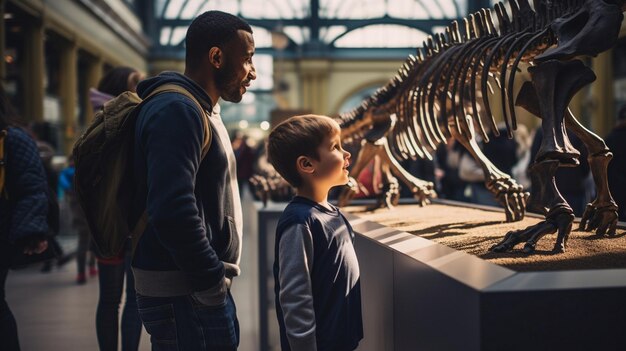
(390, 195)
(507, 192)
(601, 214)
(422, 190)
(559, 216)
(556, 83)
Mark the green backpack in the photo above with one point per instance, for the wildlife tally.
(103, 157)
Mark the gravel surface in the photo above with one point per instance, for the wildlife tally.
(475, 231)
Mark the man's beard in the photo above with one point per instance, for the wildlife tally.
(228, 85)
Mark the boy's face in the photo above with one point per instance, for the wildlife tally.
(332, 167)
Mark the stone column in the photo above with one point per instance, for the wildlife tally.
(3, 68)
(93, 76)
(68, 94)
(305, 88)
(314, 76)
(32, 68)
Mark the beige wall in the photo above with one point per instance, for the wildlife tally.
(73, 22)
(323, 85)
(318, 85)
(159, 66)
(81, 32)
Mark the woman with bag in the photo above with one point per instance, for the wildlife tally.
(112, 271)
(23, 209)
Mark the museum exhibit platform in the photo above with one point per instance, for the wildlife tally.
(429, 282)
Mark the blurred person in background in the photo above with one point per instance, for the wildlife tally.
(43, 135)
(66, 184)
(449, 185)
(24, 208)
(245, 157)
(501, 151)
(524, 139)
(111, 271)
(616, 141)
(423, 169)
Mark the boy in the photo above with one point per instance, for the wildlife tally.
(316, 272)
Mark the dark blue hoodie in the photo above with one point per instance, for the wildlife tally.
(190, 241)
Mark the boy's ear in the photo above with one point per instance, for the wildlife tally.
(216, 57)
(304, 164)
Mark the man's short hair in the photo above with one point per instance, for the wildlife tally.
(210, 29)
(295, 137)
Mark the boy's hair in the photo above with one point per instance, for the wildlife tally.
(210, 29)
(295, 137)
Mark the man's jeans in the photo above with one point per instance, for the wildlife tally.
(182, 323)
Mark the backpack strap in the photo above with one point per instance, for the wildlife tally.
(206, 144)
(173, 88)
(3, 135)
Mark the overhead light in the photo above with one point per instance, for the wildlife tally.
(265, 125)
(280, 41)
(248, 98)
(243, 124)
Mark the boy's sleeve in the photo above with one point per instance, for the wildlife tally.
(295, 259)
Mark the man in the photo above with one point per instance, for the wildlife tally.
(189, 251)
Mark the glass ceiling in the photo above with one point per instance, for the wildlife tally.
(326, 23)
(306, 28)
(300, 28)
(276, 9)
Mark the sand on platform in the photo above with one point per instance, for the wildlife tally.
(476, 230)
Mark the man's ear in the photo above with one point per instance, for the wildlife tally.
(216, 57)
(304, 164)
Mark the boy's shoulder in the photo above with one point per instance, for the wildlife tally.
(298, 211)
(301, 210)
(304, 211)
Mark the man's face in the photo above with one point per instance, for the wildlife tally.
(234, 77)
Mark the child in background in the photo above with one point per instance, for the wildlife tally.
(84, 257)
(316, 272)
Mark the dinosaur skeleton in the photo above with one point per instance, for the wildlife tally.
(442, 93)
